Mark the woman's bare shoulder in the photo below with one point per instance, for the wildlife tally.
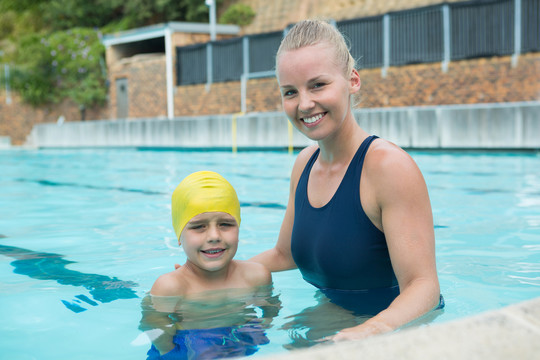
(390, 170)
(384, 157)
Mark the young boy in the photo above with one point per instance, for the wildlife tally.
(206, 219)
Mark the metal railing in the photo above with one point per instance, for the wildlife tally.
(440, 33)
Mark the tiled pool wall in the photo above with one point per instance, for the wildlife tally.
(480, 126)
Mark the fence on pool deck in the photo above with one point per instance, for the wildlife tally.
(437, 33)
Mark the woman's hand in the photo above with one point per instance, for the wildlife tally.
(360, 332)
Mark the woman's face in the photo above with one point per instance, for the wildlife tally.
(314, 91)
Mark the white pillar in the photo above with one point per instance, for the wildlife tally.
(169, 72)
(446, 36)
(245, 73)
(517, 32)
(212, 5)
(386, 44)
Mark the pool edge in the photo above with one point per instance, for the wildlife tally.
(511, 332)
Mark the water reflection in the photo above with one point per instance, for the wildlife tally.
(311, 325)
(314, 324)
(50, 266)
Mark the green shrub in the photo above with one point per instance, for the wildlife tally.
(64, 64)
(238, 14)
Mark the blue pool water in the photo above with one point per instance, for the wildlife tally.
(84, 234)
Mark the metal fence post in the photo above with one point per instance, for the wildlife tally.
(169, 72)
(6, 79)
(386, 44)
(446, 37)
(209, 66)
(517, 32)
(244, 77)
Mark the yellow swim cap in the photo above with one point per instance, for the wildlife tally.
(200, 192)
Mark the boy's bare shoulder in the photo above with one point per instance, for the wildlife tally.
(254, 273)
(170, 284)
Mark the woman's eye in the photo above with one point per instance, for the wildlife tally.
(289, 93)
(318, 85)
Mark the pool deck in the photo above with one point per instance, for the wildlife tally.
(512, 332)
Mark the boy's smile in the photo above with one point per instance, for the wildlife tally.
(213, 253)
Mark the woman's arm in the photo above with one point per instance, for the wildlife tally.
(406, 219)
(280, 258)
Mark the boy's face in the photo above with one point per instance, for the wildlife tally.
(210, 240)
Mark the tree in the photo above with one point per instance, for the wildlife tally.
(238, 14)
(54, 46)
(65, 64)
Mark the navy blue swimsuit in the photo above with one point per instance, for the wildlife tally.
(338, 249)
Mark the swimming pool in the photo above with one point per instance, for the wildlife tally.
(84, 234)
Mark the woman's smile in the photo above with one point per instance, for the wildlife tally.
(312, 121)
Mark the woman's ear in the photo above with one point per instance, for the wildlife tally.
(355, 81)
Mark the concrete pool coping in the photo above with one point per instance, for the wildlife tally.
(512, 332)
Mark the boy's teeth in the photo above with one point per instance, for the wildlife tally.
(212, 251)
(312, 119)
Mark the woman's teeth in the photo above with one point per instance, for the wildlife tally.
(311, 120)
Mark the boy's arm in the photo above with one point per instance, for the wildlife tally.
(157, 324)
(256, 274)
(157, 306)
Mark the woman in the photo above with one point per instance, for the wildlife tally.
(358, 223)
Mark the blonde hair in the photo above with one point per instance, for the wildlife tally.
(313, 32)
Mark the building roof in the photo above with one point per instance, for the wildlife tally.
(157, 31)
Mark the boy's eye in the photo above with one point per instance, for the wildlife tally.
(196, 226)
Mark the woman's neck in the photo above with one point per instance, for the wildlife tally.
(343, 143)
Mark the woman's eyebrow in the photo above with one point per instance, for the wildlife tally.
(316, 78)
(310, 81)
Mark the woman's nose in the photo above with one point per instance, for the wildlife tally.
(305, 103)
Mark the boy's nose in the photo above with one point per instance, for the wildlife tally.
(213, 234)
